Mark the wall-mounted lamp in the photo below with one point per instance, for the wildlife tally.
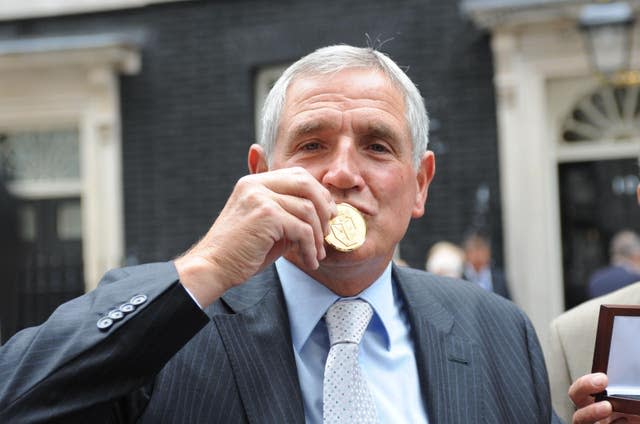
(608, 29)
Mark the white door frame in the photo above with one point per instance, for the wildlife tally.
(74, 82)
(529, 61)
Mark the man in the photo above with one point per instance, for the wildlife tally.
(342, 125)
(573, 336)
(624, 268)
(478, 267)
(580, 392)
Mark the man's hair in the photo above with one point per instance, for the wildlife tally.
(333, 59)
(624, 245)
(445, 258)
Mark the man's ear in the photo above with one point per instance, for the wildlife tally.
(257, 159)
(424, 176)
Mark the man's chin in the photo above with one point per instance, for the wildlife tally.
(362, 260)
(335, 259)
(343, 258)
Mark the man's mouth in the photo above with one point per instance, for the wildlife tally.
(348, 229)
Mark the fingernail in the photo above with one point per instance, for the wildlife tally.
(598, 380)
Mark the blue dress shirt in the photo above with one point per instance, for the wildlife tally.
(387, 355)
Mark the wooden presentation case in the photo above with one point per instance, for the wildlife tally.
(618, 340)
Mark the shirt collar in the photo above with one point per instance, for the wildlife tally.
(307, 301)
(471, 271)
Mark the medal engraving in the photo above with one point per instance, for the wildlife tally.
(348, 229)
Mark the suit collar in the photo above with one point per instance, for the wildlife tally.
(258, 343)
(421, 302)
(250, 293)
(448, 363)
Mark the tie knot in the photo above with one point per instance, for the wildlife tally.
(347, 320)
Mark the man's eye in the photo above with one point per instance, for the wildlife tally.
(379, 148)
(311, 146)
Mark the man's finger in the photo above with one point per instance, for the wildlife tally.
(300, 183)
(581, 390)
(592, 413)
(304, 210)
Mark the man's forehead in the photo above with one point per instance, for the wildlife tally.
(315, 103)
(370, 122)
(352, 87)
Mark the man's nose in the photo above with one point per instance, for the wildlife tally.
(344, 169)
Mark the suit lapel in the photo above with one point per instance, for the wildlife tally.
(258, 343)
(447, 363)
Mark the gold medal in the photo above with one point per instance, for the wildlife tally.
(347, 229)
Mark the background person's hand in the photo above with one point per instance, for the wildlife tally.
(590, 411)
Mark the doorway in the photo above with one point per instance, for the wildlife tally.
(51, 270)
(42, 171)
(597, 199)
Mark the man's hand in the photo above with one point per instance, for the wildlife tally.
(589, 411)
(267, 215)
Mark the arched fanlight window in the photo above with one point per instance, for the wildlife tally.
(611, 113)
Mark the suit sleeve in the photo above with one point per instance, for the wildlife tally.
(85, 362)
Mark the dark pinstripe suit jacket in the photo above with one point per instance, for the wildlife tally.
(168, 362)
(499, 282)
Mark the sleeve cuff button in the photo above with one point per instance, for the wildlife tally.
(115, 314)
(127, 308)
(138, 299)
(104, 323)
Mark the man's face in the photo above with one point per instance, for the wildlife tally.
(478, 254)
(349, 131)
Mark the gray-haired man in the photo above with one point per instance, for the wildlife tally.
(234, 329)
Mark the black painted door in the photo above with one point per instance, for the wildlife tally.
(597, 199)
(51, 268)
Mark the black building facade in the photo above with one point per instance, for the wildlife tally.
(187, 117)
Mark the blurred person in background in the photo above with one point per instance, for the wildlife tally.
(446, 259)
(571, 347)
(479, 267)
(572, 340)
(624, 268)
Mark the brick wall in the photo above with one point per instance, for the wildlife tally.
(188, 116)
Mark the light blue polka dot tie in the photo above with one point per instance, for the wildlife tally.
(346, 397)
